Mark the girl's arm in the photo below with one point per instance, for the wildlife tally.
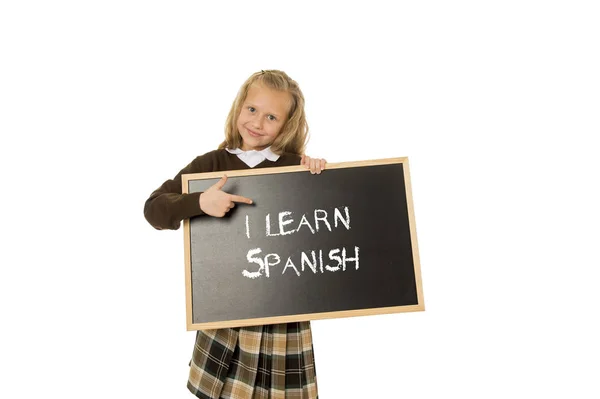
(167, 206)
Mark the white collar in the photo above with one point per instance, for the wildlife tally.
(253, 157)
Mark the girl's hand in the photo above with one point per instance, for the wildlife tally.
(316, 165)
(215, 202)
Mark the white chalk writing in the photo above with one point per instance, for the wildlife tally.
(311, 260)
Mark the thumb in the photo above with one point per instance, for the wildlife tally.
(219, 185)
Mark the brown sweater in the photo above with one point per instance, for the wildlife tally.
(167, 206)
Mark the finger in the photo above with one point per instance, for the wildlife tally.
(219, 185)
(305, 161)
(313, 166)
(239, 198)
(231, 205)
(318, 166)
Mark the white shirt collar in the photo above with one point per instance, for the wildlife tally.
(253, 157)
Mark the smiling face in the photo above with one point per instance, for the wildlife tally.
(262, 116)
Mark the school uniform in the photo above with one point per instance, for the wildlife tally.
(259, 362)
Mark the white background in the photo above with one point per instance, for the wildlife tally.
(496, 104)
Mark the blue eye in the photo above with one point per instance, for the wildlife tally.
(251, 109)
(271, 118)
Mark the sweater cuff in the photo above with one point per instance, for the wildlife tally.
(190, 206)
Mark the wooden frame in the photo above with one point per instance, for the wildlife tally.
(311, 316)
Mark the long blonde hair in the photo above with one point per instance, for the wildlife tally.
(293, 135)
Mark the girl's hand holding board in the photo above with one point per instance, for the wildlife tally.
(316, 165)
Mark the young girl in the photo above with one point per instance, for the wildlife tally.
(266, 127)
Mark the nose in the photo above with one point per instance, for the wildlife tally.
(257, 121)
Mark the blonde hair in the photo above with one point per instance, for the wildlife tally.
(293, 135)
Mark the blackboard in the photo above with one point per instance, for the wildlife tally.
(339, 244)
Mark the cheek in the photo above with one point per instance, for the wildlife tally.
(277, 128)
(240, 122)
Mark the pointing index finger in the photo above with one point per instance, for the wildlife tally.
(239, 198)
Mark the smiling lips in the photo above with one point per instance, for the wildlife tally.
(253, 134)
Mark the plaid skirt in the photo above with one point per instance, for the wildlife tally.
(261, 362)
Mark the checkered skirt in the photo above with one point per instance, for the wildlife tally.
(260, 362)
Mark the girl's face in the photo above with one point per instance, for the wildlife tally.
(262, 116)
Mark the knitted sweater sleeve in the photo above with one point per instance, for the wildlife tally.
(167, 206)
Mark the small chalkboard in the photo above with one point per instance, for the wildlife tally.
(339, 244)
